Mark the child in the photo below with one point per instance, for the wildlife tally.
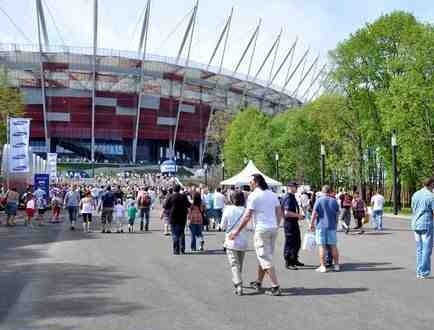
(41, 205)
(30, 209)
(119, 215)
(235, 249)
(56, 203)
(132, 212)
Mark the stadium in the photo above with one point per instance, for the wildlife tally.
(101, 105)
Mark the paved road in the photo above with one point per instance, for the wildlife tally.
(51, 278)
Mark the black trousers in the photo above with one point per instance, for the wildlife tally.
(178, 237)
(292, 241)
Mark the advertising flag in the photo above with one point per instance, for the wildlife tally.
(19, 131)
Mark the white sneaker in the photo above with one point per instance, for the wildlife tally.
(321, 269)
(336, 268)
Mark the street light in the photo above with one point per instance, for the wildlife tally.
(205, 167)
(276, 157)
(322, 164)
(394, 144)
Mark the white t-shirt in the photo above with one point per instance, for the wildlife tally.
(86, 206)
(30, 204)
(263, 203)
(304, 200)
(378, 202)
(119, 211)
(219, 201)
(231, 218)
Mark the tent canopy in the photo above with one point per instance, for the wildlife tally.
(244, 177)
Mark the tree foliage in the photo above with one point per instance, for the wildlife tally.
(385, 78)
(11, 103)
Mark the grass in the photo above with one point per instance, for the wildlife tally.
(403, 211)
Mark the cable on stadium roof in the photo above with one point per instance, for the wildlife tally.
(139, 19)
(54, 22)
(177, 26)
(15, 25)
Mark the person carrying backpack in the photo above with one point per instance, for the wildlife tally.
(359, 211)
(144, 205)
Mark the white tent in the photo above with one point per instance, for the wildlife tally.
(244, 177)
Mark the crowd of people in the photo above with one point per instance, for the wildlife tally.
(121, 205)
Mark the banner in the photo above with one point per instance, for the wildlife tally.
(42, 181)
(168, 166)
(52, 165)
(19, 131)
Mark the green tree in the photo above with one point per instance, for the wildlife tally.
(365, 68)
(246, 137)
(11, 103)
(408, 108)
(295, 137)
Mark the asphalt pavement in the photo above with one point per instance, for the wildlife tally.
(53, 278)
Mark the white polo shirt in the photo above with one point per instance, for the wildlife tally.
(263, 203)
(219, 201)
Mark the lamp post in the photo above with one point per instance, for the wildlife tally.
(223, 170)
(276, 158)
(322, 164)
(205, 167)
(394, 144)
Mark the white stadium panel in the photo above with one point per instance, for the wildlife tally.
(58, 116)
(187, 108)
(125, 111)
(105, 101)
(32, 95)
(166, 121)
(150, 102)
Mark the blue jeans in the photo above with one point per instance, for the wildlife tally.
(144, 214)
(196, 231)
(377, 219)
(72, 211)
(218, 215)
(424, 242)
(178, 237)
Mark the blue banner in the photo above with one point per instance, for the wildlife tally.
(42, 181)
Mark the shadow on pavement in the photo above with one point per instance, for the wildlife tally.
(69, 290)
(301, 291)
(368, 267)
(377, 233)
(33, 290)
(320, 291)
(214, 252)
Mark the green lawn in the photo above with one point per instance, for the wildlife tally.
(404, 210)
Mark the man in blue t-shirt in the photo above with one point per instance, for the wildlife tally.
(324, 222)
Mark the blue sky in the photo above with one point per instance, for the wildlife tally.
(319, 24)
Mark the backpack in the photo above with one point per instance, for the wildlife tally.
(347, 203)
(144, 201)
(360, 205)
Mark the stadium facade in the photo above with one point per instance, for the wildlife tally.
(110, 105)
